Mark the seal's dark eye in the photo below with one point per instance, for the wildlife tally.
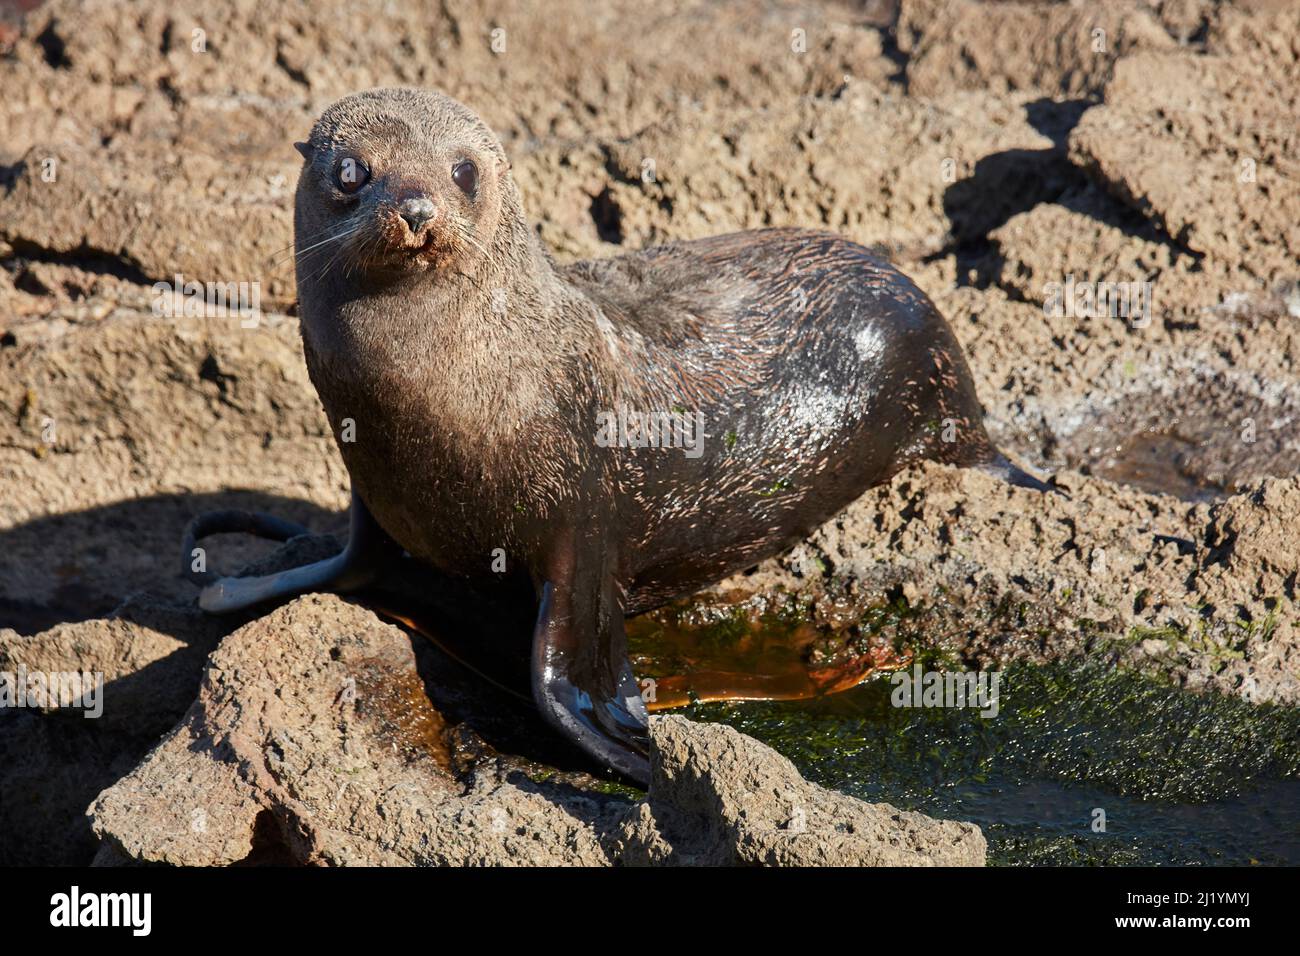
(351, 174)
(465, 175)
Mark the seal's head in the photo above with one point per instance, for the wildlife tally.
(397, 181)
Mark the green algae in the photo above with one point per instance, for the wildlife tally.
(612, 788)
(1180, 777)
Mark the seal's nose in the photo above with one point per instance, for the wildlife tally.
(416, 212)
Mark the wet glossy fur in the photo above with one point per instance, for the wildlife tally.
(818, 368)
(472, 371)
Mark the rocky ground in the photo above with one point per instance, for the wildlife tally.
(991, 149)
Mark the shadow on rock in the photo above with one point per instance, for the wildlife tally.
(82, 564)
(312, 729)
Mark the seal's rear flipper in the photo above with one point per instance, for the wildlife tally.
(1004, 468)
(582, 680)
(225, 595)
(353, 567)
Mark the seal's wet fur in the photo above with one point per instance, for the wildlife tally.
(472, 370)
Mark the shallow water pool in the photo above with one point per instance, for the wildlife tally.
(1181, 778)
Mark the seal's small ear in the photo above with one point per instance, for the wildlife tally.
(304, 149)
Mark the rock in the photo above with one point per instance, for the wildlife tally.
(313, 741)
(1168, 391)
(806, 164)
(1001, 583)
(118, 432)
(1055, 48)
(720, 798)
(163, 214)
(199, 106)
(53, 762)
(1206, 148)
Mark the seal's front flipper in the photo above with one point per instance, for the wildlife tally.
(355, 566)
(582, 681)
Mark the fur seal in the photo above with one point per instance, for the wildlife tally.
(469, 380)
